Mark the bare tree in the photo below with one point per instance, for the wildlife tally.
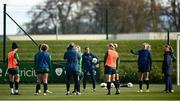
(89, 16)
(172, 14)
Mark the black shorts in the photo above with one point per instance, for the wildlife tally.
(42, 70)
(109, 70)
(13, 71)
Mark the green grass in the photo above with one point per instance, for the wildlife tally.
(27, 91)
(57, 48)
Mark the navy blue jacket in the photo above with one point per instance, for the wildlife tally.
(72, 57)
(167, 63)
(42, 60)
(144, 60)
(87, 63)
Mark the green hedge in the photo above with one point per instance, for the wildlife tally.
(128, 65)
(57, 48)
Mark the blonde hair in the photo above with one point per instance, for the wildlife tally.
(78, 48)
(115, 45)
(146, 46)
(111, 46)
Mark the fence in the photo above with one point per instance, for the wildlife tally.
(128, 72)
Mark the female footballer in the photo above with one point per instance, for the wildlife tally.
(43, 67)
(167, 68)
(13, 69)
(78, 49)
(72, 67)
(110, 59)
(144, 65)
(117, 84)
(89, 66)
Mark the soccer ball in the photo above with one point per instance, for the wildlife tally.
(130, 85)
(103, 84)
(94, 60)
(112, 85)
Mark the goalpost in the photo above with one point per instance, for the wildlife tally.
(178, 57)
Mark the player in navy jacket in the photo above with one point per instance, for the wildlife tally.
(167, 67)
(144, 65)
(72, 67)
(88, 65)
(43, 67)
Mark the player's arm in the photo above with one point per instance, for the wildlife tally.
(150, 59)
(82, 65)
(35, 61)
(17, 58)
(173, 57)
(78, 56)
(65, 56)
(49, 63)
(117, 63)
(105, 57)
(134, 52)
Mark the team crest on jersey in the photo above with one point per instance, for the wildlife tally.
(58, 71)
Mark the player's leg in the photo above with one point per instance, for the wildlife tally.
(170, 85)
(11, 83)
(76, 83)
(75, 88)
(38, 84)
(16, 81)
(93, 78)
(146, 75)
(68, 78)
(115, 83)
(166, 82)
(108, 80)
(84, 79)
(47, 90)
(108, 72)
(78, 88)
(45, 81)
(140, 81)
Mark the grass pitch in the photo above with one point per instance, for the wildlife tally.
(27, 90)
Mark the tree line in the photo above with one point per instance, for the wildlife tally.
(97, 16)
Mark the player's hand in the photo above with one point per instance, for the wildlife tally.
(131, 51)
(18, 64)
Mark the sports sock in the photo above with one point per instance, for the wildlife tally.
(78, 86)
(109, 86)
(37, 87)
(115, 84)
(84, 85)
(67, 86)
(11, 84)
(16, 86)
(140, 84)
(147, 83)
(118, 84)
(45, 87)
(94, 85)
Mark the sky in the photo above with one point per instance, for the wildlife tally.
(17, 9)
